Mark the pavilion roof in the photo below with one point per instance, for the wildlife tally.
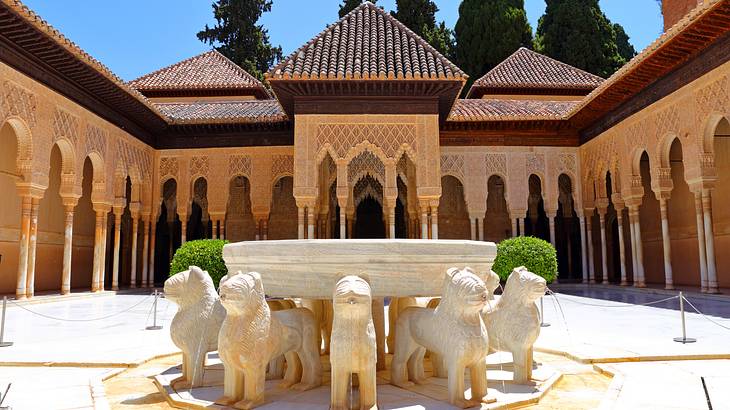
(207, 71)
(248, 111)
(471, 110)
(529, 70)
(367, 43)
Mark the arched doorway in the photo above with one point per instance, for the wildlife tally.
(368, 198)
(199, 224)
(567, 233)
(10, 215)
(536, 223)
(283, 214)
(497, 224)
(651, 229)
(240, 224)
(83, 232)
(720, 199)
(167, 231)
(453, 214)
(613, 255)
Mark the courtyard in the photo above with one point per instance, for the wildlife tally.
(612, 351)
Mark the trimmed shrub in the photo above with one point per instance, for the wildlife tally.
(537, 255)
(207, 254)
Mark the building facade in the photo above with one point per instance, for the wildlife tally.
(361, 133)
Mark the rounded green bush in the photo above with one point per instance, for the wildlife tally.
(537, 255)
(206, 254)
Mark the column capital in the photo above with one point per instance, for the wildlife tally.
(70, 200)
(663, 194)
(101, 206)
(30, 189)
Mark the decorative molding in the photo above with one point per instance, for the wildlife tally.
(19, 102)
(389, 137)
(239, 165)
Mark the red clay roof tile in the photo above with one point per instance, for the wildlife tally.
(250, 111)
(509, 110)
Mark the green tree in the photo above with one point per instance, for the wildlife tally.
(350, 5)
(237, 36)
(420, 17)
(625, 49)
(577, 32)
(487, 32)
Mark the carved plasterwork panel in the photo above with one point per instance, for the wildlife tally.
(96, 140)
(713, 97)
(281, 165)
(65, 125)
(199, 166)
(496, 163)
(17, 101)
(365, 164)
(169, 168)
(389, 137)
(239, 165)
(453, 165)
(666, 121)
(535, 164)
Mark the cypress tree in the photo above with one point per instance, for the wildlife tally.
(237, 36)
(625, 49)
(420, 17)
(578, 33)
(487, 32)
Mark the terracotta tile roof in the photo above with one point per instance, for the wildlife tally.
(509, 110)
(367, 43)
(251, 111)
(528, 69)
(208, 71)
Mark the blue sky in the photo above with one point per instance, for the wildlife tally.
(134, 37)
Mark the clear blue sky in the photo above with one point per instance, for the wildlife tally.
(134, 37)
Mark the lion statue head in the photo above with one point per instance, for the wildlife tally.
(352, 294)
(523, 287)
(187, 287)
(242, 291)
(464, 293)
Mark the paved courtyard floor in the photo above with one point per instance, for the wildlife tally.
(612, 354)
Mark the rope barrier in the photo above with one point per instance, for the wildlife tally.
(81, 320)
(615, 306)
(703, 315)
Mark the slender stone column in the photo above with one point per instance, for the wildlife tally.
(473, 222)
(424, 222)
(133, 271)
(97, 250)
(667, 245)
(591, 260)
(391, 219)
(632, 237)
(434, 220)
(24, 244)
(622, 253)
(640, 279)
(30, 280)
(604, 261)
(265, 228)
(104, 236)
(520, 226)
(480, 228)
(343, 222)
(709, 242)
(701, 241)
(153, 238)
(183, 229)
(350, 225)
(583, 250)
(145, 251)
(214, 234)
(223, 228)
(310, 222)
(551, 222)
(171, 231)
(514, 227)
(300, 222)
(117, 237)
(68, 245)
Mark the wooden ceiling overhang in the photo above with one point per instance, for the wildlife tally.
(677, 59)
(481, 92)
(374, 96)
(509, 133)
(30, 48)
(257, 93)
(219, 135)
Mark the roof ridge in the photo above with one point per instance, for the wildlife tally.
(545, 56)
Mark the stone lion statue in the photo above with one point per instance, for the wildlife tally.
(454, 330)
(252, 335)
(513, 324)
(194, 329)
(396, 306)
(322, 310)
(353, 348)
(275, 370)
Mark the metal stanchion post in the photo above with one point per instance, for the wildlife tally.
(684, 339)
(154, 317)
(542, 315)
(3, 343)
